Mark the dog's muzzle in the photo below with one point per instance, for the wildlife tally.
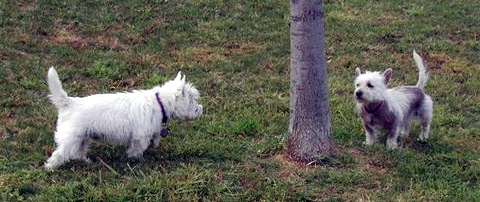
(358, 95)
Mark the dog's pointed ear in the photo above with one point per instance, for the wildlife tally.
(357, 72)
(180, 90)
(183, 79)
(387, 74)
(179, 76)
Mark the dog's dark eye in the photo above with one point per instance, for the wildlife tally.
(369, 85)
(357, 85)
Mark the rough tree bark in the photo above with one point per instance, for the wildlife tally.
(309, 130)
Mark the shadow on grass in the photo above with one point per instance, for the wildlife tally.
(431, 146)
(114, 158)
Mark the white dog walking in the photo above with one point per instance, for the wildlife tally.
(392, 110)
(134, 119)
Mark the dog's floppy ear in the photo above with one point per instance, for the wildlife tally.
(387, 74)
(357, 72)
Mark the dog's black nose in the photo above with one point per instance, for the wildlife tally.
(359, 93)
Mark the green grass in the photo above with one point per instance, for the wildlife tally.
(237, 54)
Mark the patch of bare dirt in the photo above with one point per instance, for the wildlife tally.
(376, 164)
(68, 34)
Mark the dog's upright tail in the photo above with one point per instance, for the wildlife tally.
(422, 72)
(57, 95)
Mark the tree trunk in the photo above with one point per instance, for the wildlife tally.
(309, 130)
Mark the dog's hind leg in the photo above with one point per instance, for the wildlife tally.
(68, 147)
(425, 114)
(392, 139)
(57, 159)
(405, 125)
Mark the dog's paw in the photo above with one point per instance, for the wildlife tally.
(392, 144)
(136, 160)
(421, 141)
(49, 167)
(368, 142)
(422, 138)
(87, 160)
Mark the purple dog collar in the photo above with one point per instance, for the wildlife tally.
(164, 113)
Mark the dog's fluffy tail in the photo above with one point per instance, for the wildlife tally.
(422, 72)
(57, 95)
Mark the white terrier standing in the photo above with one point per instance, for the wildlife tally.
(391, 110)
(134, 119)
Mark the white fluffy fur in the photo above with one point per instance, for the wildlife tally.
(400, 104)
(133, 118)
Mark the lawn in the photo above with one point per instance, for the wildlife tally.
(237, 54)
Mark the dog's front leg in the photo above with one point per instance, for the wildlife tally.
(156, 140)
(156, 137)
(137, 147)
(370, 136)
